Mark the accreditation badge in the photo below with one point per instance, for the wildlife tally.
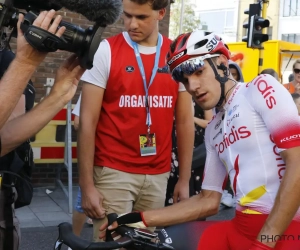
(147, 144)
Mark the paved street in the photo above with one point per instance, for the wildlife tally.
(39, 220)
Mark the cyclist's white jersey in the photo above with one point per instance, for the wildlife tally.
(245, 139)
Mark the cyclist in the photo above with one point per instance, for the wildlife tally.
(255, 138)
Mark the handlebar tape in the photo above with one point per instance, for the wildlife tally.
(67, 237)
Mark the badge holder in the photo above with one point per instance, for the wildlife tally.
(148, 144)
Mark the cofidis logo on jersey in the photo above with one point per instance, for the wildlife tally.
(279, 160)
(266, 89)
(234, 136)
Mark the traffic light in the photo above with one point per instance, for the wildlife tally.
(255, 24)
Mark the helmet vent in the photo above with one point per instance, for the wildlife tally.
(200, 44)
(183, 41)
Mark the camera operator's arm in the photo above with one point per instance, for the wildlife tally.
(23, 127)
(19, 109)
(23, 66)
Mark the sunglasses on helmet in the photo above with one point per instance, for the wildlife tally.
(189, 67)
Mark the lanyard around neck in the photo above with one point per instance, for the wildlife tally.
(142, 71)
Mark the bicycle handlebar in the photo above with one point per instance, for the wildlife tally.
(130, 238)
(67, 237)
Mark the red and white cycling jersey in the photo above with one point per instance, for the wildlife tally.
(245, 139)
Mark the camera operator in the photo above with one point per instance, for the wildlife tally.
(16, 78)
(16, 126)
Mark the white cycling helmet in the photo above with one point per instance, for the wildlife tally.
(188, 52)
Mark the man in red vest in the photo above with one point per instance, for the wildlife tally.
(128, 97)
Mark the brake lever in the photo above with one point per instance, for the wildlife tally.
(141, 244)
(148, 243)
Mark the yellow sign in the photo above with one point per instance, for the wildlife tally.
(274, 52)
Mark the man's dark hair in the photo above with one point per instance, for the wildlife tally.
(271, 72)
(156, 4)
(295, 96)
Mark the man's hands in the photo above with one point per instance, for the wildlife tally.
(181, 191)
(92, 203)
(67, 79)
(25, 53)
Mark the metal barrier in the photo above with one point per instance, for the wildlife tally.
(67, 160)
(47, 149)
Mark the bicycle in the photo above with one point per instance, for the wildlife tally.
(183, 236)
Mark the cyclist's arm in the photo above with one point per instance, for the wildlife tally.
(281, 118)
(93, 89)
(202, 205)
(199, 206)
(185, 134)
(283, 212)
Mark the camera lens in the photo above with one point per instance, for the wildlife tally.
(74, 36)
(83, 42)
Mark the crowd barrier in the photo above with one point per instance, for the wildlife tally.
(46, 147)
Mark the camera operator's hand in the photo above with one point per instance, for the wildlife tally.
(25, 52)
(66, 80)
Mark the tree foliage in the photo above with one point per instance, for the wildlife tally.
(190, 20)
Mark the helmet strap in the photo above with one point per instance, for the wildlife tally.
(221, 79)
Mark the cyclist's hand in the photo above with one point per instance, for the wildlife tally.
(27, 54)
(257, 245)
(181, 191)
(134, 219)
(92, 203)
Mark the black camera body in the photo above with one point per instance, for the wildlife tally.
(83, 42)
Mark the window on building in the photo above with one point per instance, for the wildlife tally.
(293, 38)
(291, 8)
(219, 20)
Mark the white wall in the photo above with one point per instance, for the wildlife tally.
(287, 25)
(212, 8)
